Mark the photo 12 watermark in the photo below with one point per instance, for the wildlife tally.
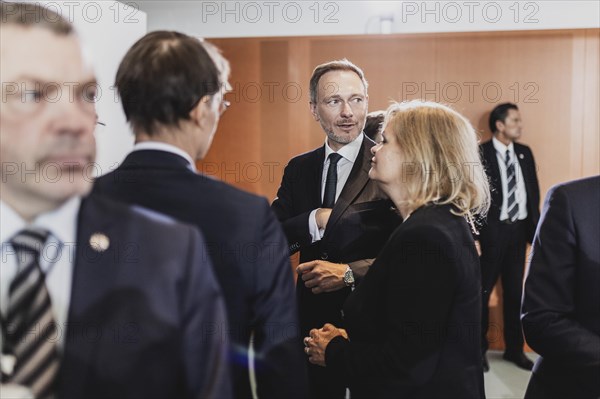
(471, 92)
(471, 12)
(89, 11)
(253, 12)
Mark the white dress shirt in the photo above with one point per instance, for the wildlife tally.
(56, 260)
(521, 193)
(349, 153)
(160, 146)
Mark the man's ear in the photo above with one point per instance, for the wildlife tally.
(499, 126)
(199, 112)
(313, 110)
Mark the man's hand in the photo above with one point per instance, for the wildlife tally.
(322, 216)
(322, 276)
(318, 340)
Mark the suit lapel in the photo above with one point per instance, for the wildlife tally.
(316, 178)
(358, 178)
(93, 276)
(493, 168)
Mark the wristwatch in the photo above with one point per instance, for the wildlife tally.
(349, 278)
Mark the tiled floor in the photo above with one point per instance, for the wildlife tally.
(505, 380)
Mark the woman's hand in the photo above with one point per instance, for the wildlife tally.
(315, 345)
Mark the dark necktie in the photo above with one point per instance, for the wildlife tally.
(331, 181)
(511, 183)
(31, 330)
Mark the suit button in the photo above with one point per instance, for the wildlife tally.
(324, 256)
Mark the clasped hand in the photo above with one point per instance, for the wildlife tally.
(316, 343)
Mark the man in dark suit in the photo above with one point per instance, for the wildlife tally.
(97, 299)
(334, 215)
(510, 225)
(174, 108)
(560, 313)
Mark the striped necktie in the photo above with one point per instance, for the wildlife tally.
(512, 206)
(31, 331)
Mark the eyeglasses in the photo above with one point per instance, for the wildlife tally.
(98, 121)
(224, 106)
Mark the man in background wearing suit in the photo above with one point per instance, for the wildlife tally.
(97, 299)
(330, 211)
(173, 104)
(510, 225)
(561, 312)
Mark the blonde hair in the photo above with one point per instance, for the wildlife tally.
(442, 161)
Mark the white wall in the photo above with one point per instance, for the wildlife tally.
(301, 18)
(108, 29)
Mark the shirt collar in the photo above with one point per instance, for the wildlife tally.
(160, 146)
(501, 148)
(349, 151)
(60, 222)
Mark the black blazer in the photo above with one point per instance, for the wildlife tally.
(139, 311)
(561, 302)
(360, 223)
(249, 253)
(414, 321)
(528, 168)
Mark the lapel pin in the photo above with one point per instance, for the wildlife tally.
(7, 364)
(99, 242)
(521, 156)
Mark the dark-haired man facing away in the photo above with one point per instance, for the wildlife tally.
(173, 105)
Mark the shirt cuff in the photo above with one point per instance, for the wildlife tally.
(315, 232)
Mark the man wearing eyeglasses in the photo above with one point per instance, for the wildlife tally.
(171, 87)
(330, 211)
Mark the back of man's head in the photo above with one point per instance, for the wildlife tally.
(163, 77)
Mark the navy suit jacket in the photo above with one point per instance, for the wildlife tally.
(144, 312)
(561, 301)
(528, 168)
(360, 223)
(249, 254)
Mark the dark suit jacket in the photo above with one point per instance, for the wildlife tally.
(360, 223)
(145, 313)
(561, 303)
(250, 258)
(528, 168)
(414, 321)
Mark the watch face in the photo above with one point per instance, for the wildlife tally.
(348, 277)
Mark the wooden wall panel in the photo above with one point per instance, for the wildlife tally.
(552, 75)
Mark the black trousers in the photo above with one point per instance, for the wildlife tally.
(503, 249)
(575, 383)
(323, 384)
